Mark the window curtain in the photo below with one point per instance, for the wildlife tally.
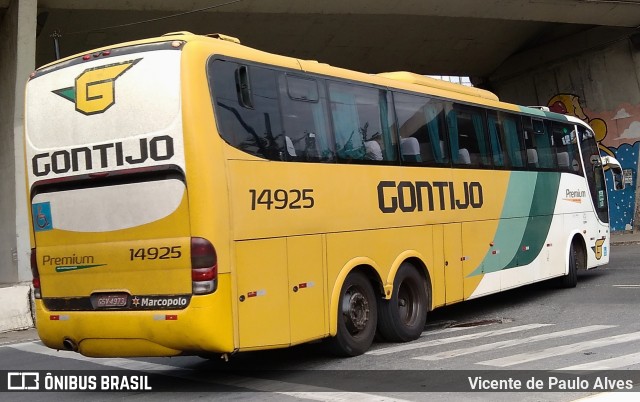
(545, 157)
(512, 143)
(389, 149)
(322, 134)
(349, 144)
(431, 114)
(452, 124)
(478, 127)
(498, 158)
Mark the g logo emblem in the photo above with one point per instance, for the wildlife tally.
(94, 90)
(597, 249)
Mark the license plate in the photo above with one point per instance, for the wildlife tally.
(109, 300)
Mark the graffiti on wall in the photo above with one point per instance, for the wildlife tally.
(618, 133)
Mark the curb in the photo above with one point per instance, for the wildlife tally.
(16, 308)
(624, 243)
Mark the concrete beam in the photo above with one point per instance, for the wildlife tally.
(593, 12)
(426, 45)
(567, 47)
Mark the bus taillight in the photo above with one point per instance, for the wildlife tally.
(36, 275)
(204, 266)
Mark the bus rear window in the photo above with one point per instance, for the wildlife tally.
(107, 208)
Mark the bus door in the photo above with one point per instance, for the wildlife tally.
(453, 258)
(263, 301)
(280, 291)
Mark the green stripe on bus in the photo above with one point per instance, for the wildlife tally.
(512, 226)
(519, 239)
(539, 221)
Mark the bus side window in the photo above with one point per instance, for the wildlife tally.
(467, 136)
(304, 117)
(422, 129)
(363, 123)
(544, 144)
(512, 139)
(566, 149)
(247, 108)
(533, 162)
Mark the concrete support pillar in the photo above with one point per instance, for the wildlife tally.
(17, 60)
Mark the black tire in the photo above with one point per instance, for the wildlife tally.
(357, 317)
(570, 280)
(402, 318)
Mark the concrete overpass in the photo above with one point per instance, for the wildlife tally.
(457, 37)
(582, 56)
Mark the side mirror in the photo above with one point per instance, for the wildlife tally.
(616, 170)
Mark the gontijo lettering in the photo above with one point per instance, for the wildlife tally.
(416, 196)
(103, 156)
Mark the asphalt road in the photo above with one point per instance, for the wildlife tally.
(536, 332)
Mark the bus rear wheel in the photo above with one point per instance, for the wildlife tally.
(357, 317)
(403, 316)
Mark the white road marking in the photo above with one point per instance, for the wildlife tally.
(444, 341)
(612, 396)
(11, 343)
(607, 364)
(127, 364)
(561, 350)
(447, 330)
(251, 384)
(512, 342)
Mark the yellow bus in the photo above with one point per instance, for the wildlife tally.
(191, 195)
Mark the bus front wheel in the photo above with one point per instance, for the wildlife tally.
(403, 316)
(357, 317)
(570, 280)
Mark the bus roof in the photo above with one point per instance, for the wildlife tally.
(403, 79)
(418, 79)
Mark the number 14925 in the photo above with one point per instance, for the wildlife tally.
(282, 199)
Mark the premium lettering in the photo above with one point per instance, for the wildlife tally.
(424, 195)
(67, 260)
(576, 194)
(103, 156)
